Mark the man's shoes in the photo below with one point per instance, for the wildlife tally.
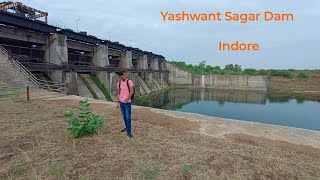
(124, 130)
(129, 135)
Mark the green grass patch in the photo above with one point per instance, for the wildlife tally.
(186, 170)
(151, 173)
(57, 170)
(94, 94)
(17, 171)
(303, 75)
(101, 87)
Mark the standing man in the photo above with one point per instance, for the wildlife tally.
(125, 92)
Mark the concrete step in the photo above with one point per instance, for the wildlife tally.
(143, 85)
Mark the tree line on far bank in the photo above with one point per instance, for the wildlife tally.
(236, 69)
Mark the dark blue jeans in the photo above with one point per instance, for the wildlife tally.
(126, 114)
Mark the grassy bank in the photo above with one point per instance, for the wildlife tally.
(36, 145)
(295, 87)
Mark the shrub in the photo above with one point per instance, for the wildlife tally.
(249, 71)
(87, 123)
(229, 67)
(283, 73)
(263, 72)
(302, 75)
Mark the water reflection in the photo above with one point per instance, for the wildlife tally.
(253, 106)
(176, 98)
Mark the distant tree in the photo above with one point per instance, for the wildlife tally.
(202, 64)
(209, 69)
(250, 71)
(263, 72)
(229, 67)
(237, 68)
(217, 68)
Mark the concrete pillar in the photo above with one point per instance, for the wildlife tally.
(203, 81)
(71, 81)
(133, 77)
(149, 79)
(154, 64)
(104, 79)
(143, 62)
(56, 52)
(163, 65)
(126, 60)
(100, 57)
(162, 79)
(114, 78)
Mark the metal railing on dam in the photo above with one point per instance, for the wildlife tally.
(43, 84)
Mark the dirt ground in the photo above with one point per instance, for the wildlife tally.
(295, 87)
(35, 144)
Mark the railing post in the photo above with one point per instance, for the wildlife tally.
(28, 93)
(66, 88)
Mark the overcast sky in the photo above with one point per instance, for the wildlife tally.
(138, 23)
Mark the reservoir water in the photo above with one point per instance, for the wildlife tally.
(253, 106)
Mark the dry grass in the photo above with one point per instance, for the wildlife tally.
(295, 88)
(35, 145)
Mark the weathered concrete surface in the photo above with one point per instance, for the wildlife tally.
(126, 60)
(22, 35)
(94, 86)
(154, 64)
(219, 127)
(82, 89)
(159, 80)
(144, 87)
(179, 77)
(143, 62)
(148, 78)
(10, 74)
(56, 53)
(162, 65)
(80, 46)
(71, 81)
(100, 57)
(236, 82)
(104, 78)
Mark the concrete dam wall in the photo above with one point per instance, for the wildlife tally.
(178, 77)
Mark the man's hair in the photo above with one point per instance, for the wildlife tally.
(121, 73)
